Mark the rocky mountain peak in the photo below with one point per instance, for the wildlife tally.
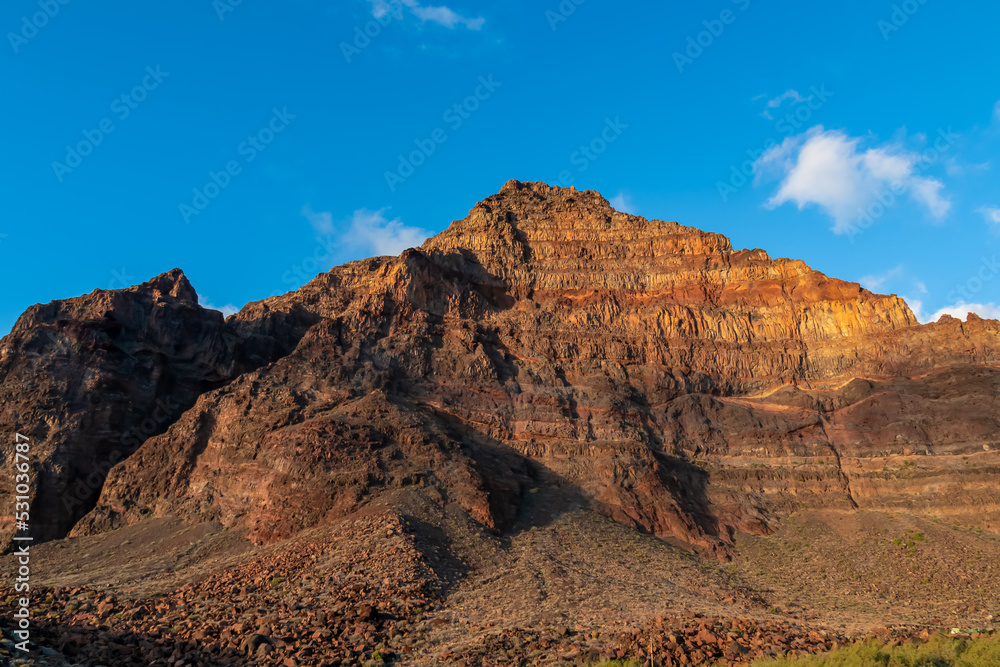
(540, 237)
(542, 224)
(172, 283)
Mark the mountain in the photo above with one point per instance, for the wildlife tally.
(545, 344)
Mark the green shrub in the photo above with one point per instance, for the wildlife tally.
(938, 652)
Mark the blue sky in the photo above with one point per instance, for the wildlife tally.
(255, 146)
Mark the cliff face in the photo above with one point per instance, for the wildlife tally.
(687, 389)
(89, 379)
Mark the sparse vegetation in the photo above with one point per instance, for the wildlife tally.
(937, 652)
(909, 541)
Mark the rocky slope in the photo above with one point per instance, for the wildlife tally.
(684, 388)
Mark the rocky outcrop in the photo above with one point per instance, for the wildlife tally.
(688, 389)
(89, 379)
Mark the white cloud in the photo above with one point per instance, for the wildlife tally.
(322, 223)
(829, 169)
(776, 102)
(885, 166)
(371, 229)
(382, 7)
(927, 191)
(775, 162)
(622, 202)
(874, 283)
(368, 232)
(442, 15)
(447, 17)
(917, 306)
(826, 172)
(991, 213)
(988, 311)
(226, 310)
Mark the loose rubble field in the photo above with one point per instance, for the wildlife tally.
(421, 588)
